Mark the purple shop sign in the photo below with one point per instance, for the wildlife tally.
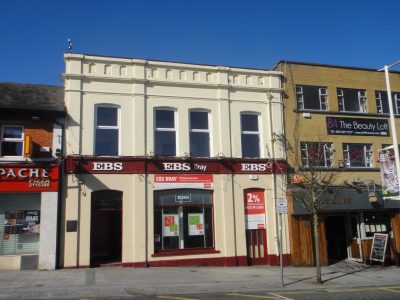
(357, 126)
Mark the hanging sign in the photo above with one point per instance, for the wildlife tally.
(196, 224)
(255, 210)
(171, 225)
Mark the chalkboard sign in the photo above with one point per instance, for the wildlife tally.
(378, 248)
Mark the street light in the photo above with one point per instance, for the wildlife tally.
(392, 125)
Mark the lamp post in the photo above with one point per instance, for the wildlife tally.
(392, 124)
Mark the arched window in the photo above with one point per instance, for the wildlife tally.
(107, 125)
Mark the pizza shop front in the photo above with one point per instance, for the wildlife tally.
(138, 212)
(28, 216)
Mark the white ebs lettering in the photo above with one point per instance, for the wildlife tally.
(176, 166)
(107, 166)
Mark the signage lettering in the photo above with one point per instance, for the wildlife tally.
(357, 126)
(107, 166)
(176, 166)
(24, 173)
(256, 167)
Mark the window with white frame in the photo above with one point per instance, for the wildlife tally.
(382, 102)
(165, 132)
(311, 97)
(250, 133)
(357, 155)
(12, 140)
(107, 130)
(352, 100)
(316, 154)
(199, 133)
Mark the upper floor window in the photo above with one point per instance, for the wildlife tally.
(107, 131)
(357, 155)
(311, 97)
(199, 134)
(250, 135)
(12, 140)
(352, 100)
(165, 132)
(316, 154)
(382, 102)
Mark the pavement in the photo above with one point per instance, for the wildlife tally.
(131, 282)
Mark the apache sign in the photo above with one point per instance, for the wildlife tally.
(357, 126)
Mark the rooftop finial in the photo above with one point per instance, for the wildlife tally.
(69, 46)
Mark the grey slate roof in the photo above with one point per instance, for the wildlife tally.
(31, 97)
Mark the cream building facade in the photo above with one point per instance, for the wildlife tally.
(171, 164)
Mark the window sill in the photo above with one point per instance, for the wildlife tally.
(178, 252)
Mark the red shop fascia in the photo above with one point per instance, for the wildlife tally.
(75, 164)
(29, 178)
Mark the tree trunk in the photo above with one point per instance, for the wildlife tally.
(316, 244)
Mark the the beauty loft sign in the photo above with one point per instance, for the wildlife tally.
(357, 126)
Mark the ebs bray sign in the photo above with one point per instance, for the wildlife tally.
(357, 126)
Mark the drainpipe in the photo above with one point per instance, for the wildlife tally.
(146, 193)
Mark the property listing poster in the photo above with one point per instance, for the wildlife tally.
(196, 224)
(171, 225)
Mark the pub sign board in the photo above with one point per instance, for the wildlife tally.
(357, 126)
(378, 248)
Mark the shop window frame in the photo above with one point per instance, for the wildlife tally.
(243, 133)
(348, 154)
(107, 127)
(165, 129)
(12, 140)
(344, 100)
(302, 97)
(325, 155)
(184, 251)
(381, 97)
(193, 131)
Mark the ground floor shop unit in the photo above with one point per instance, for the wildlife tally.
(29, 201)
(139, 212)
(346, 229)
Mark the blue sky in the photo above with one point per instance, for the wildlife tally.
(253, 33)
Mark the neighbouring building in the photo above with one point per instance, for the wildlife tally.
(170, 164)
(340, 115)
(31, 133)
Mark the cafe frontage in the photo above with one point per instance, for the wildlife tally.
(147, 211)
(29, 216)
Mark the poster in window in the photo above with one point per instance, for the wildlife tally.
(170, 225)
(22, 222)
(255, 210)
(196, 224)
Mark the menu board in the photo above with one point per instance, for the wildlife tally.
(378, 248)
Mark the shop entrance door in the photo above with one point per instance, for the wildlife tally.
(335, 231)
(355, 249)
(256, 240)
(106, 228)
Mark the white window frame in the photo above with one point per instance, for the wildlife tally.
(323, 98)
(161, 129)
(260, 142)
(118, 127)
(367, 151)
(328, 151)
(15, 140)
(362, 100)
(201, 130)
(396, 102)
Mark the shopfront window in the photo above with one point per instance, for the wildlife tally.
(19, 225)
(183, 219)
(376, 222)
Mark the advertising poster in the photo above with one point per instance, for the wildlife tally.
(196, 224)
(170, 225)
(22, 222)
(175, 181)
(255, 210)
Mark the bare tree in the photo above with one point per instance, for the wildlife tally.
(311, 175)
